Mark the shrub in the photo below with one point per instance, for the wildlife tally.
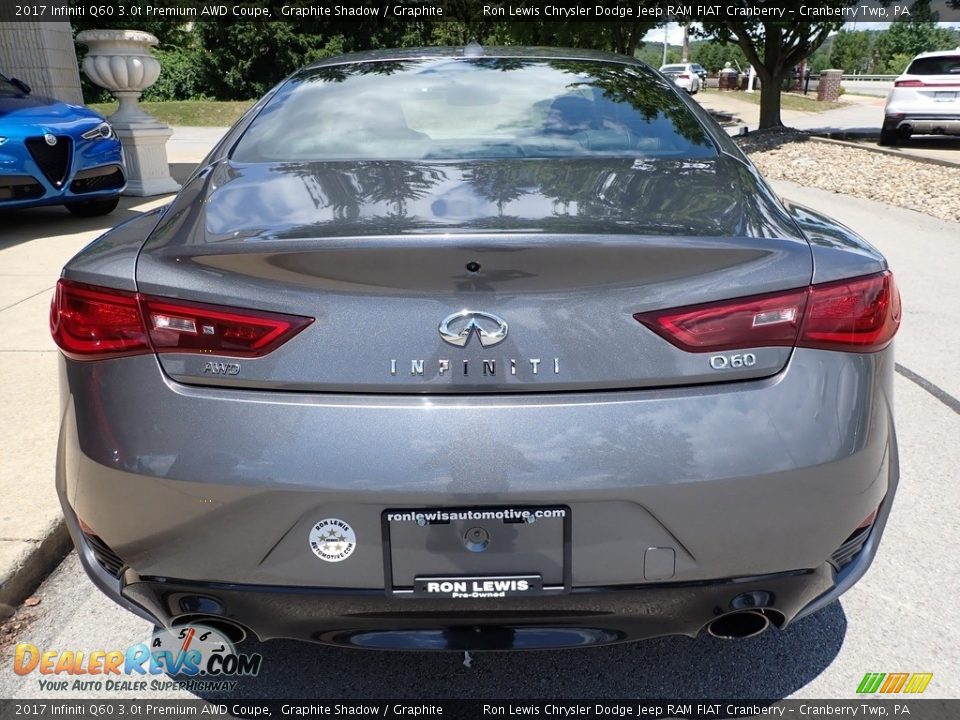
(183, 76)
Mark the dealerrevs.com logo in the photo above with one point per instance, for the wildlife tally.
(892, 683)
(201, 658)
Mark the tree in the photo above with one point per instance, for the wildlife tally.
(619, 36)
(819, 62)
(913, 35)
(775, 47)
(245, 58)
(715, 55)
(852, 51)
(652, 54)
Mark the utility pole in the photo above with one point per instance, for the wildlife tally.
(666, 28)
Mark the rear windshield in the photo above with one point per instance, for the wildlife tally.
(673, 68)
(944, 65)
(473, 108)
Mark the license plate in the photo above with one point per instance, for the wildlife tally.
(944, 96)
(477, 552)
(477, 587)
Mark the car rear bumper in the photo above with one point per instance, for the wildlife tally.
(371, 619)
(924, 123)
(205, 497)
(687, 85)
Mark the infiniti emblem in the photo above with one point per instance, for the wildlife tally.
(457, 329)
(50, 139)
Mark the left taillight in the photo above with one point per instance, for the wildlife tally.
(93, 323)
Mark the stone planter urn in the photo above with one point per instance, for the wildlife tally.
(120, 61)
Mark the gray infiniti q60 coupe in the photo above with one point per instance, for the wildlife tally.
(476, 349)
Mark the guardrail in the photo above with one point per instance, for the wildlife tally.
(871, 78)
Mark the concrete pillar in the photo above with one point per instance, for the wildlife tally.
(829, 87)
(43, 56)
(120, 61)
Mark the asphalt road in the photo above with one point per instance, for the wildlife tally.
(901, 618)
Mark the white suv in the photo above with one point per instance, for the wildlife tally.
(925, 99)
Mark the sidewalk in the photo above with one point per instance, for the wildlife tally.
(34, 245)
(745, 111)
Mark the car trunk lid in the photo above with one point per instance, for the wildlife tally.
(486, 276)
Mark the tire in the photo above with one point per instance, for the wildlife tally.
(94, 208)
(893, 136)
(887, 137)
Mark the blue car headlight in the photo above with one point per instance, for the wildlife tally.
(103, 131)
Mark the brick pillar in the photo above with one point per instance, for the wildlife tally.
(829, 87)
(43, 56)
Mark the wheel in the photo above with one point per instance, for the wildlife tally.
(892, 136)
(94, 208)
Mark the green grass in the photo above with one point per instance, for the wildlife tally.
(188, 112)
(794, 101)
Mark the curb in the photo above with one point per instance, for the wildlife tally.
(34, 569)
(885, 151)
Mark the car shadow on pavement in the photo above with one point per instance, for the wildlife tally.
(20, 226)
(771, 666)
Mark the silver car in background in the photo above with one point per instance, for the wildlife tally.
(484, 348)
(685, 75)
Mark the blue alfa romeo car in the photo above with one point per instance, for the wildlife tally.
(52, 153)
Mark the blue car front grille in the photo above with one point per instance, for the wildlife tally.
(53, 160)
(106, 178)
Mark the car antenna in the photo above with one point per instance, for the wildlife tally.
(474, 49)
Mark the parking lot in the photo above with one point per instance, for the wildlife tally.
(898, 619)
(858, 121)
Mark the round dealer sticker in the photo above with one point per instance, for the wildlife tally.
(332, 540)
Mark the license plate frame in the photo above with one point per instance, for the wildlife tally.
(533, 575)
(478, 586)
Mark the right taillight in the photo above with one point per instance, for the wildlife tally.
(857, 315)
(95, 323)
(862, 314)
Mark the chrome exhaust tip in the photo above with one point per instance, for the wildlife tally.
(739, 625)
